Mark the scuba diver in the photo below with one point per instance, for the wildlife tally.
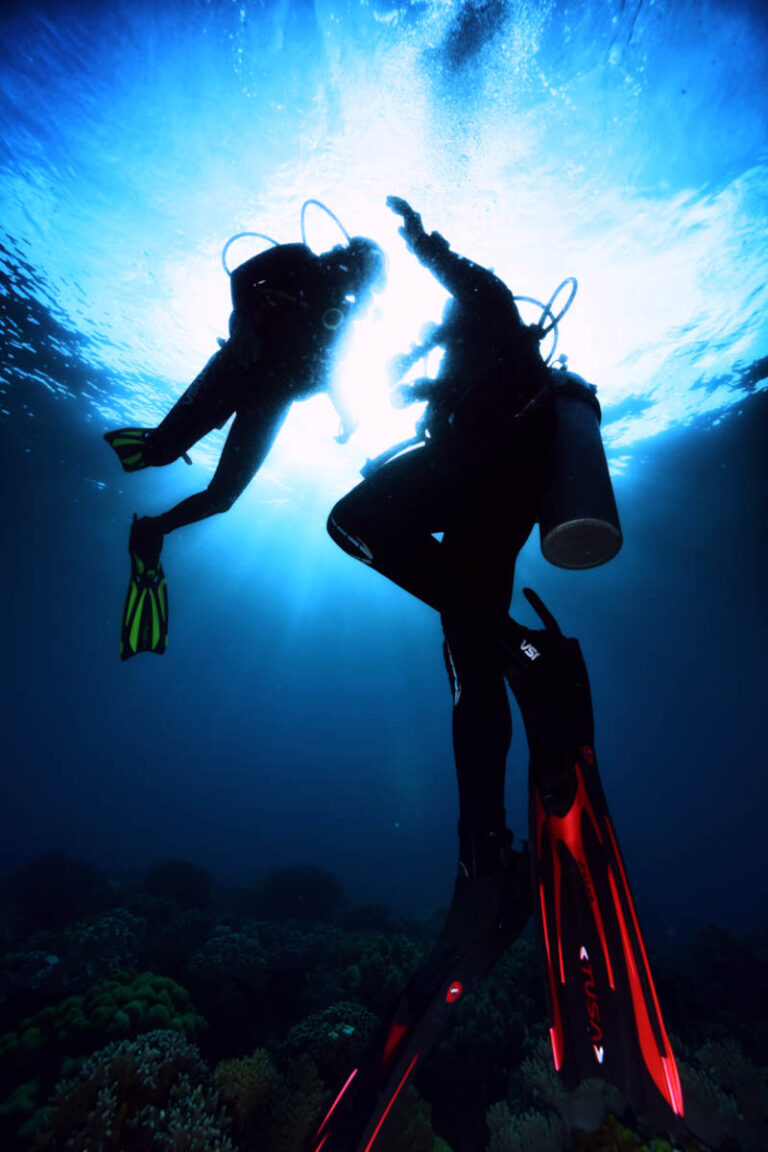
(481, 477)
(290, 308)
(477, 478)
(605, 1019)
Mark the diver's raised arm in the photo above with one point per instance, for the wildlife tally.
(348, 420)
(458, 275)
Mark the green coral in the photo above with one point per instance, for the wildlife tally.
(117, 1006)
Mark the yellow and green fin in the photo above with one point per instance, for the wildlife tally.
(129, 445)
(145, 616)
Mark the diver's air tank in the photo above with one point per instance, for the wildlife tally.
(578, 520)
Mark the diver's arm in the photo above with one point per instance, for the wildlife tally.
(348, 421)
(459, 276)
(245, 338)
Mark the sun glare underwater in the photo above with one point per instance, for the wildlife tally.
(622, 143)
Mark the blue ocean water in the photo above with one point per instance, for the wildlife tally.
(301, 713)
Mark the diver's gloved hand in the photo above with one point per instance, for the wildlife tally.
(346, 430)
(398, 366)
(412, 230)
(413, 392)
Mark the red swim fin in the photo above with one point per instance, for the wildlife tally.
(605, 1016)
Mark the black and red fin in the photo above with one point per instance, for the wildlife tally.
(605, 1016)
(356, 1114)
(486, 914)
(604, 1010)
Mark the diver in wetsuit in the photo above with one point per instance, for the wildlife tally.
(290, 310)
(494, 432)
(477, 478)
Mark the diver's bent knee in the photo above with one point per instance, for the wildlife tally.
(219, 502)
(347, 539)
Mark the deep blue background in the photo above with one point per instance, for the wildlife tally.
(301, 713)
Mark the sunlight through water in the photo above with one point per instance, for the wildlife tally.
(623, 144)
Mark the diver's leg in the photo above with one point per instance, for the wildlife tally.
(387, 522)
(250, 439)
(482, 545)
(208, 403)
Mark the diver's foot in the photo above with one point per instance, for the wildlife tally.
(146, 540)
(487, 912)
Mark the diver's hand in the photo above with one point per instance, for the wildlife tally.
(345, 432)
(398, 366)
(414, 392)
(412, 230)
(402, 396)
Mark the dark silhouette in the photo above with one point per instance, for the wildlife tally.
(477, 479)
(290, 310)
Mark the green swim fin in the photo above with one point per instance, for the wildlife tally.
(129, 445)
(145, 616)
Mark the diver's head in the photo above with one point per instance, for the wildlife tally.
(363, 265)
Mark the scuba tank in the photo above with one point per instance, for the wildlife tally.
(578, 520)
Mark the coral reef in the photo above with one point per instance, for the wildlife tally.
(533, 1131)
(152, 1094)
(331, 1038)
(476, 1058)
(585, 1107)
(70, 959)
(270, 1110)
(409, 1128)
(371, 968)
(726, 1097)
(123, 1005)
(233, 962)
(300, 987)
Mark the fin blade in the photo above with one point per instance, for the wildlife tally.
(606, 1020)
(128, 443)
(145, 616)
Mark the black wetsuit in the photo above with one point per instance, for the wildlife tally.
(477, 480)
(293, 306)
